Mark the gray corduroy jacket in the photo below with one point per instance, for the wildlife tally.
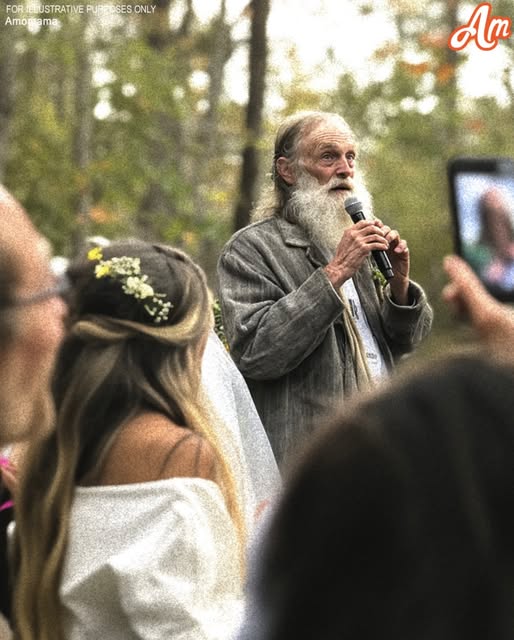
(283, 322)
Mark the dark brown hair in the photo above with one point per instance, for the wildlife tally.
(399, 524)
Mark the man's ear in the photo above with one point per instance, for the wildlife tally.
(285, 170)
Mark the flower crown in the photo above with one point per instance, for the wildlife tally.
(127, 270)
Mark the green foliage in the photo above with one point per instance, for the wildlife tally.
(410, 125)
(151, 173)
(147, 172)
(40, 170)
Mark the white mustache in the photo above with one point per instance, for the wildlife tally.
(309, 189)
(336, 183)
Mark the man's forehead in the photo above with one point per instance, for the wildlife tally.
(328, 134)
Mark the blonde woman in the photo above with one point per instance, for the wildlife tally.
(128, 522)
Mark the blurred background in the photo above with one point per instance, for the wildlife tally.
(158, 122)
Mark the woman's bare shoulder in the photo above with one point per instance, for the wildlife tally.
(152, 447)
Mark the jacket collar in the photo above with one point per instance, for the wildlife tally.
(294, 236)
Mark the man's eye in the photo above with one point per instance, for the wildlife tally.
(327, 156)
(350, 156)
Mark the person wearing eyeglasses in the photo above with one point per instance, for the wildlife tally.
(32, 312)
(31, 328)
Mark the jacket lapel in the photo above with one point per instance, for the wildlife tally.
(294, 236)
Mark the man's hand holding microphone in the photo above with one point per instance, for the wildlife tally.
(389, 250)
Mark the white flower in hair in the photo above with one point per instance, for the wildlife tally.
(138, 287)
(127, 270)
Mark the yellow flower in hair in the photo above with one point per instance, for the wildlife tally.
(95, 254)
(127, 271)
(102, 270)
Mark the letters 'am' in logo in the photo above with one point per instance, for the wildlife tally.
(487, 31)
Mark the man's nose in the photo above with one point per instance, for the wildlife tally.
(343, 168)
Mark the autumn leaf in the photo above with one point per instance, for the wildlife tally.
(100, 215)
(445, 73)
(433, 40)
(416, 69)
(386, 51)
(477, 125)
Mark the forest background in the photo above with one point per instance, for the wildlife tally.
(160, 125)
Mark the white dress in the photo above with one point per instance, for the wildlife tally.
(159, 560)
(240, 432)
(151, 561)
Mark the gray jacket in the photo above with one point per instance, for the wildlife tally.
(283, 322)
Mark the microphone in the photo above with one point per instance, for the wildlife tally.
(354, 210)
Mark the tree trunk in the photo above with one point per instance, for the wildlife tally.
(257, 84)
(451, 93)
(220, 53)
(82, 135)
(155, 202)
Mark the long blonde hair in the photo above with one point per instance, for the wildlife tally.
(115, 362)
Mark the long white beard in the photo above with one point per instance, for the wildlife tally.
(320, 211)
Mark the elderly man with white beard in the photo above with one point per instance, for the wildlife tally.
(307, 319)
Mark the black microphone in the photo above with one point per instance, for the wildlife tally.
(354, 210)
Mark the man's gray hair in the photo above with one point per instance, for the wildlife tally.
(287, 141)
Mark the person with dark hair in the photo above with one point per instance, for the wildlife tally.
(307, 317)
(129, 523)
(398, 522)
